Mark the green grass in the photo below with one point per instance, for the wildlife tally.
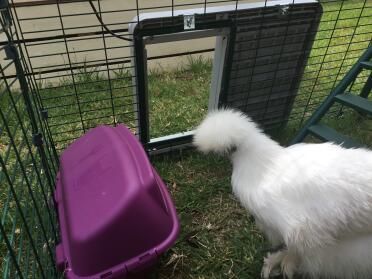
(179, 98)
(218, 238)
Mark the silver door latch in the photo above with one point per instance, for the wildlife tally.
(188, 22)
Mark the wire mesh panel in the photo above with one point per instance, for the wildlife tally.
(259, 60)
(67, 67)
(27, 162)
(344, 34)
(268, 60)
(84, 75)
(81, 70)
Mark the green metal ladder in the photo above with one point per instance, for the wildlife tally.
(341, 96)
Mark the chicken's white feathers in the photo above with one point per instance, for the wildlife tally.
(317, 198)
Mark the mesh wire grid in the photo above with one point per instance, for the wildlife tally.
(72, 74)
(28, 222)
(65, 41)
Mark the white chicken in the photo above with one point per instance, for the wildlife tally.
(316, 199)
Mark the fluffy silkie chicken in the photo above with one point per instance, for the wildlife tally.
(313, 200)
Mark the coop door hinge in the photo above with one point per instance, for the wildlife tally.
(283, 10)
(189, 22)
(10, 51)
(44, 113)
(37, 139)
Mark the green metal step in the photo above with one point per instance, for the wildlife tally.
(355, 102)
(366, 65)
(326, 133)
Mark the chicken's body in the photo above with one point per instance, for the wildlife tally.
(316, 198)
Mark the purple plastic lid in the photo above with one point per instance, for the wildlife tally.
(116, 215)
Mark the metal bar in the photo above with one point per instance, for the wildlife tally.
(90, 92)
(94, 118)
(183, 36)
(9, 246)
(19, 34)
(156, 143)
(87, 119)
(31, 3)
(67, 36)
(28, 246)
(71, 68)
(226, 71)
(86, 102)
(143, 106)
(367, 87)
(20, 194)
(31, 114)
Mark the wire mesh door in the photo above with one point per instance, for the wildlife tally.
(258, 63)
(65, 69)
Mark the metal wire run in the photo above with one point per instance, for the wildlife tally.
(68, 66)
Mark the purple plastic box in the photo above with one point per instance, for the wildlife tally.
(116, 215)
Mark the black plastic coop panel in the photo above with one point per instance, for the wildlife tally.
(260, 54)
